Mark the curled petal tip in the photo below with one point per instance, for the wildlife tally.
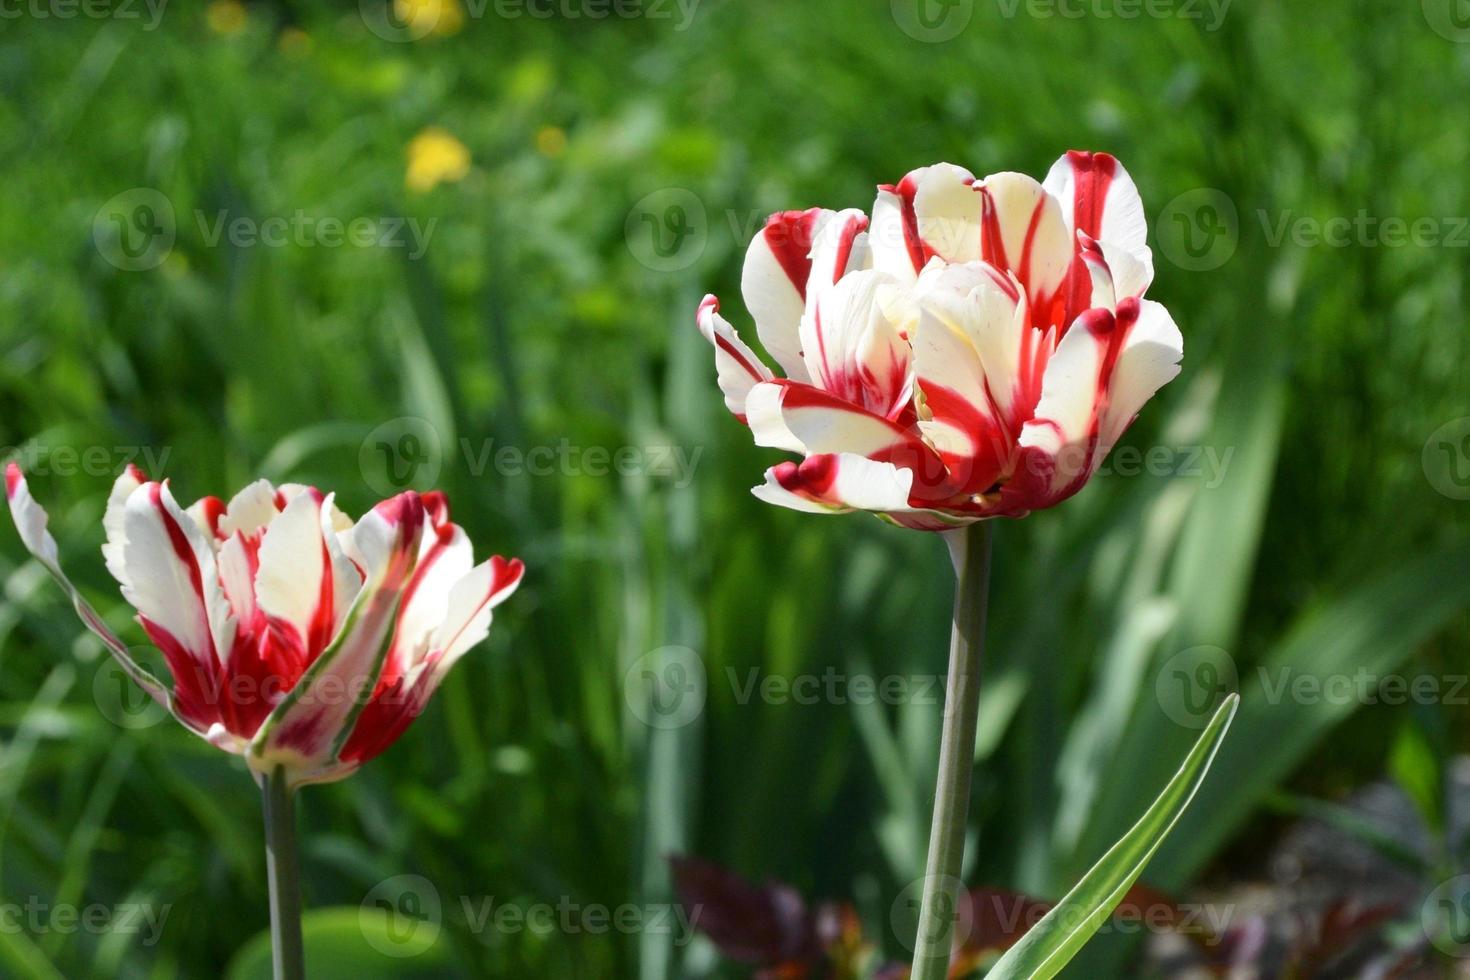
(13, 479)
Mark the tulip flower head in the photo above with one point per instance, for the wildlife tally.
(295, 637)
(974, 350)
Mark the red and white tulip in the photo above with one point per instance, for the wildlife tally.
(974, 351)
(295, 637)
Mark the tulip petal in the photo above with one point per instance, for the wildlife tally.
(794, 250)
(306, 730)
(130, 479)
(30, 521)
(1100, 199)
(736, 366)
(853, 350)
(1148, 360)
(800, 418)
(836, 483)
(1024, 233)
(1059, 446)
(932, 212)
(470, 602)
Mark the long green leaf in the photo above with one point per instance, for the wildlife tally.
(1047, 947)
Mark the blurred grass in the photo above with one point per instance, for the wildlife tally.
(530, 319)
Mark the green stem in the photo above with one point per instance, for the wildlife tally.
(970, 549)
(282, 870)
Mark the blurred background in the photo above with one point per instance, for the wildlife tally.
(460, 244)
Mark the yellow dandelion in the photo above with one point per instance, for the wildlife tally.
(435, 157)
(226, 17)
(424, 17)
(551, 141)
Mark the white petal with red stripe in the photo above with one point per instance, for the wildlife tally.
(1149, 360)
(835, 483)
(30, 522)
(1064, 426)
(1099, 198)
(853, 350)
(171, 575)
(736, 366)
(307, 729)
(932, 212)
(1024, 233)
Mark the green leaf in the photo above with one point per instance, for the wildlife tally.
(1047, 947)
(349, 943)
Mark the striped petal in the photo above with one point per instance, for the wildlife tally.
(836, 483)
(1149, 359)
(736, 366)
(853, 349)
(306, 731)
(1026, 235)
(173, 583)
(30, 522)
(467, 613)
(793, 250)
(1101, 200)
(932, 212)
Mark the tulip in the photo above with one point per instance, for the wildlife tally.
(295, 638)
(973, 350)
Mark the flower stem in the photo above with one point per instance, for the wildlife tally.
(969, 547)
(282, 870)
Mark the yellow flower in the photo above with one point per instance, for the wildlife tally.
(551, 141)
(226, 16)
(423, 17)
(435, 157)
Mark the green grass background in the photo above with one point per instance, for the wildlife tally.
(532, 318)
